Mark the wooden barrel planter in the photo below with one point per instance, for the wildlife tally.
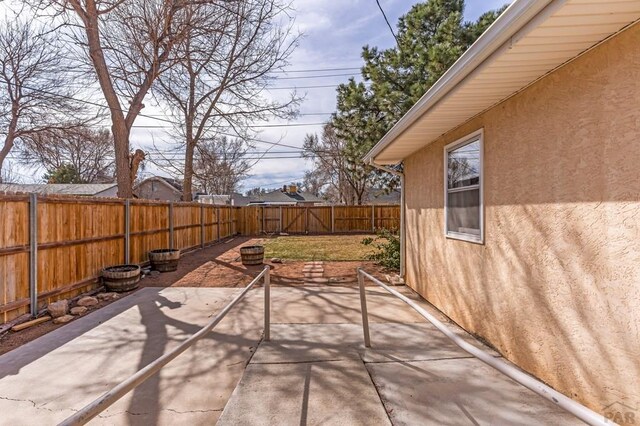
(164, 260)
(252, 255)
(121, 278)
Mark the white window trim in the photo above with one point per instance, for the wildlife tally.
(479, 135)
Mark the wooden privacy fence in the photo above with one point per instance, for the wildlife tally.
(254, 220)
(55, 247)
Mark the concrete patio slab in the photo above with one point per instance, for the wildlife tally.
(48, 379)
(311, 304)
(332, 342)
(460, 392)
(328, 393)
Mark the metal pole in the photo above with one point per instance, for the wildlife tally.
(33, 253)
(127, 231)
(373, 218)
(171, 225)
(218, 221)
(363, 305)
(267, 305)
(202, 225)
(333, 226)
(107, 399)
(530, 382)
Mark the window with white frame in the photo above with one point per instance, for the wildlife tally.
(463, 189)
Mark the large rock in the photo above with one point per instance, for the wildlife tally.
(63, 319)
(59, 308)
(107, 296)
(87, 301)
(78, 310)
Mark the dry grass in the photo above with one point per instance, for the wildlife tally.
(321, 247)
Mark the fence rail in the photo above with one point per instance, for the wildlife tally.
(54, 247)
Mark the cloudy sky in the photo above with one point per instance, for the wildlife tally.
(333, 35)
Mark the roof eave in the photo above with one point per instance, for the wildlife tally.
(514, 18)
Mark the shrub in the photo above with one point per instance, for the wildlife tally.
(387, 249)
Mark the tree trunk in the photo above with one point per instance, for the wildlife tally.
(187, 184)
(121, 152)
(4, 152)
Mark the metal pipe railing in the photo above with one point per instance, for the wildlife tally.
(107, 399)
(580, 411)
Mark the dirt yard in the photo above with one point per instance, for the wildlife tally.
(220, 266)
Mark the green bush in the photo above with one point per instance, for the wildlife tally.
(387, 249)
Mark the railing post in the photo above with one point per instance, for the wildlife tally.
(267, 305)
(373, 217)
(33, 253)
(333, 225)
(218, 222)
(127, 231)
(201, 225)
(363, 305)
(171, 225)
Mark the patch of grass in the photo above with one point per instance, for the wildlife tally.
(323, 247)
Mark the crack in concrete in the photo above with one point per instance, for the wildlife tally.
(173, 410)
(36, 406)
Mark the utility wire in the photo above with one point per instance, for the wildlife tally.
(387, 21)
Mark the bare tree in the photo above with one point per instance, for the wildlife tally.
(89, 153)
(218, 84)
(346, 179)
(34, 98)
(220, 165)
(128, 44)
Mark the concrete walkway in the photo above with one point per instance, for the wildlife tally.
(314, 371)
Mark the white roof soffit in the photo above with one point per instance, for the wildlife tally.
(530, 39)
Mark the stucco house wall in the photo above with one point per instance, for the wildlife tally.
(556, 285)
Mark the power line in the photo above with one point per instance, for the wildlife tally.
(256, 126)
(387, 21)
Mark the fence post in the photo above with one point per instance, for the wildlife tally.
(171, 225)
(33, 253)
(127, 231)
(333, 225)
(280, 222)
(373, 217)
(218, 222)
(306, 219)
(263, 220)
(201, 225)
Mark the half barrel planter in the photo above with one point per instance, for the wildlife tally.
(121, 278)
(164, 260)
(252, 255)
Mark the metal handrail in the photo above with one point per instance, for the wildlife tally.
(100, 404)
(580, 411)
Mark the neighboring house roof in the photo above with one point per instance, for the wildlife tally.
(280, 197)
(382, 196)
(234, 199)
(84, 189)
(529, 40)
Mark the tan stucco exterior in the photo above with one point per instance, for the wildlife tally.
(556, 285)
